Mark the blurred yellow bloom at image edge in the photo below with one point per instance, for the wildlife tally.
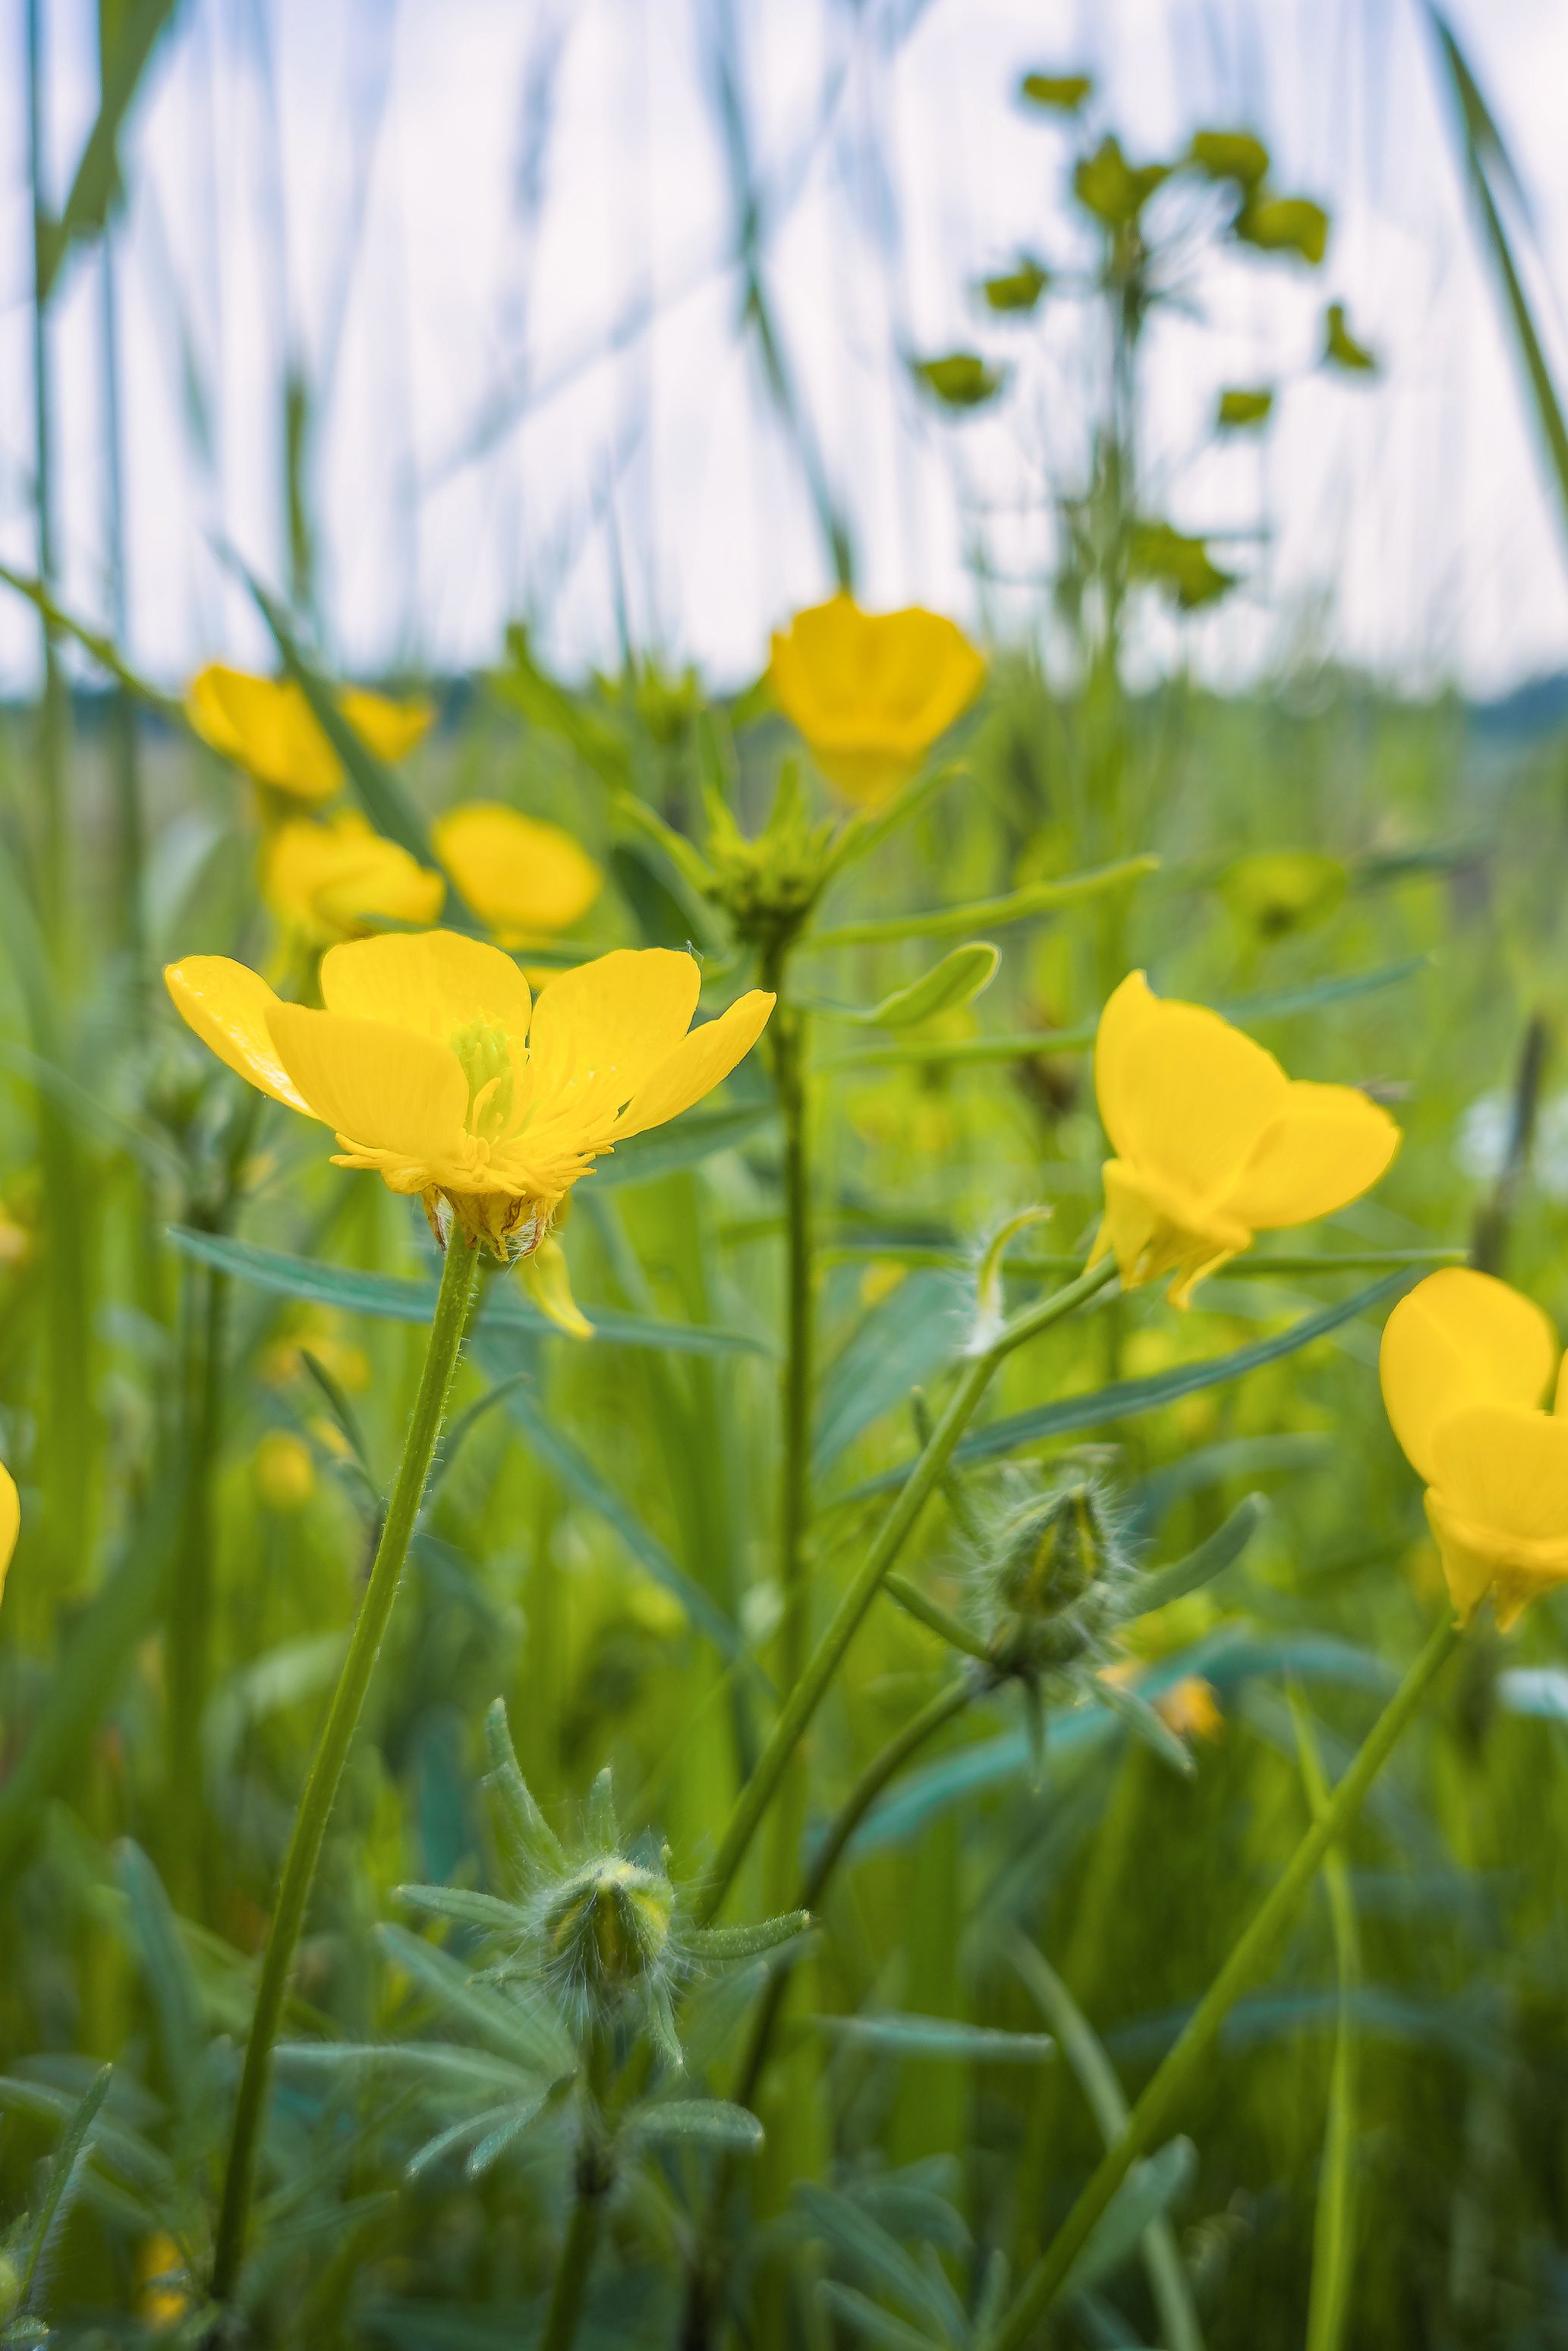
(283, 1471)
(870, 692)
(10, 1522)
(432, 1064)
(326, 882)
(265, 726)
(523, 879)
(1213, 1142)
(1467, 1365)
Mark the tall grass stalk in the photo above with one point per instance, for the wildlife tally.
(1333, 2234)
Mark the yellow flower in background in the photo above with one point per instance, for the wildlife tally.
(1467, 1366)
(870, 692)
(523, 878)
(432, 1064)
(163, 2297)
(1213, 1142)
(342, 879)
(284, 1471)
(10, 1522)
(265, 726)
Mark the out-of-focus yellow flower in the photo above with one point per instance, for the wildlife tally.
(163, 2297)
(266, 727)
(284, 1471)
(1467, 1366)
(432, 1064)
(316, 1333)
(342, 879)
(10, 1522)
(870, 692)
(15, 1241)
(525, 879)
(1190, 1708)
(1213, 1142)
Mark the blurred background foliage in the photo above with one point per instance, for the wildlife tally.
(206, 1366)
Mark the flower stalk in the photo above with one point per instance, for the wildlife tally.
(802, 1701)
(451, 1310)
(1156, 2108)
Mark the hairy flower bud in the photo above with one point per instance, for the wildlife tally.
(606, 1932)
(1054, 1580)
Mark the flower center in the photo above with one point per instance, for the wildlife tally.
(485, 1052)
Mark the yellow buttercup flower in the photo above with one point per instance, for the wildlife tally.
(163, 2297)
(870, 692)
(432, 1064)
(340, 878)
(10, 1522)
(523, 879)
(1213, 1142)
(1467, 1366)
(283, 1471)
(266, 727)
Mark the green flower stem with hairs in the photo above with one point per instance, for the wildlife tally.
(451, 1310)
(802, 1700)
(1156, 2108)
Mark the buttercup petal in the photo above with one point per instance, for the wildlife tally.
(390, 728)
(1327, 1145)
(265, 725)
(1129, 1009)
(381, 1088)
(227, 1004)
(613, 1021)
(1191, 1094)
(329, 881)
(428, 984)
(522, 877)
(1504, 1470)
(1461, 1338)
(702, 1060)
(872, 692)
(10, 1520)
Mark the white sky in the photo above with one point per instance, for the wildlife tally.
(1411, 525)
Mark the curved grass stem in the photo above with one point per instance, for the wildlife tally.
(1155, 2110)
(801, 1702)
(452, 1307)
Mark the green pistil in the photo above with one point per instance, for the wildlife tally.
(484, 1053)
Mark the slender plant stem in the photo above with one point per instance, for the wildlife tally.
(1333, 2229)
(189, 1638)
(571, 2283)
(447, 1330)
(1155, 2110)
(947, 1704)
(788, 1032)
(802, 1701)
(884, 1765)
(1096, 2077)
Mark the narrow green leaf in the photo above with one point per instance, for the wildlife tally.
(989, 914)
(520, 2028)
(960, 976)
(940, 2036)
(375, 785)
(168, 1975)
(722, 1943)
(710, 2122)
(97, 180)
(1146, 1723)
(1210, 1559)
(391, 1299)
(1146, 2195)
(1486, 154)
(75, 2144)
(536, 1847)
(1125, 1400)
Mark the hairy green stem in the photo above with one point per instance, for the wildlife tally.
(571, 2283)
(1333, 2227)
(189, 1640)
(1155, 2110)
(802, 1701)
(447, 1330)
